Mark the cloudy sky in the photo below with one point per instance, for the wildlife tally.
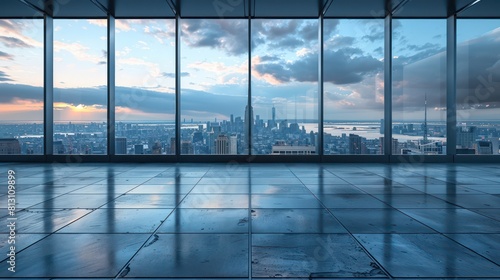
(214, 69)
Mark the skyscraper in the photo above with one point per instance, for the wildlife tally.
(252, 121)
(248, 123)
(425, 129)
(354, 144)
(121, 146)
(139, 149)
(233, 145)
(466, 136)
(172, 146)
(483, 147)
(186, 147)
(222, 145)
(9, 146)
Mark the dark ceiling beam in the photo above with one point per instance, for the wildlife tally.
(101, 7)
(172, 6)
(325, 7)
(468, 6)
(399, 6)
(32, 6)
(251, 12)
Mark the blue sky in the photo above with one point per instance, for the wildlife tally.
(215, 69)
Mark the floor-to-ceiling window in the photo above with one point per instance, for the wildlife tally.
(478, 86)
(80, 86)
(353, 69)
(214, 86)
(284, 87)
(145, 86)
(21, 86)
(419, 86)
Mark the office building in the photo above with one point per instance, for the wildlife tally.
(222, 145)
(9, 146)
(121, 146)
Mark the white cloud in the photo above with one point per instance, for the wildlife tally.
(79, 51)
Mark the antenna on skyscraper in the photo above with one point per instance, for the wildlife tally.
(295, 108)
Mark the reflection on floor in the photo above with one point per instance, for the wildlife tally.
(254, 220)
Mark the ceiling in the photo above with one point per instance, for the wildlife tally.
(253, 8)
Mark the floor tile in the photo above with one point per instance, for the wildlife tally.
(221, 189)
(73, 201)
(27, 200)
(142, 201)
(119, 221)
(206, 221)
(162, 189)
(224, 181)
(82, 255)
(444, 189)
(310, 255)
(351, 201)
(22, 240)
(104, 189)
(472, 201)
(192, 255)
(275, 180)
(294, 221)
(414, 201)
(323, 181)
(45, 220)
(50, 188)
(379, 221)
(426, 255)
(279, 189)
(285, 201)
(171, 181)
(388, 189)
(454, 220)
(333, 189)
(215, 201)
(373, 180)
(491, 189)
(487, 245)
(490, 212)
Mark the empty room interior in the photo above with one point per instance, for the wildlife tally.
(250, 139)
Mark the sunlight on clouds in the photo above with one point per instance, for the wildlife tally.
(303, 52)
(14, 29)
(79, 51)
(80, 112)
(21, 105)
(268, 78)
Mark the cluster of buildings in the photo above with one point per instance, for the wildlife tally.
(229, 137)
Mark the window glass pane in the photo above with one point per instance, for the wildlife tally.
(21, 86)
(284, 86)
(80, 86)
(145, 86)
(478, 86)
(353, 86)
(214, 86)
(419, 86)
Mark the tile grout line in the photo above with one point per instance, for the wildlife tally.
(347, 230)
(127, 264)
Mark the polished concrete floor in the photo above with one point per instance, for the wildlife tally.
(254, 220)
